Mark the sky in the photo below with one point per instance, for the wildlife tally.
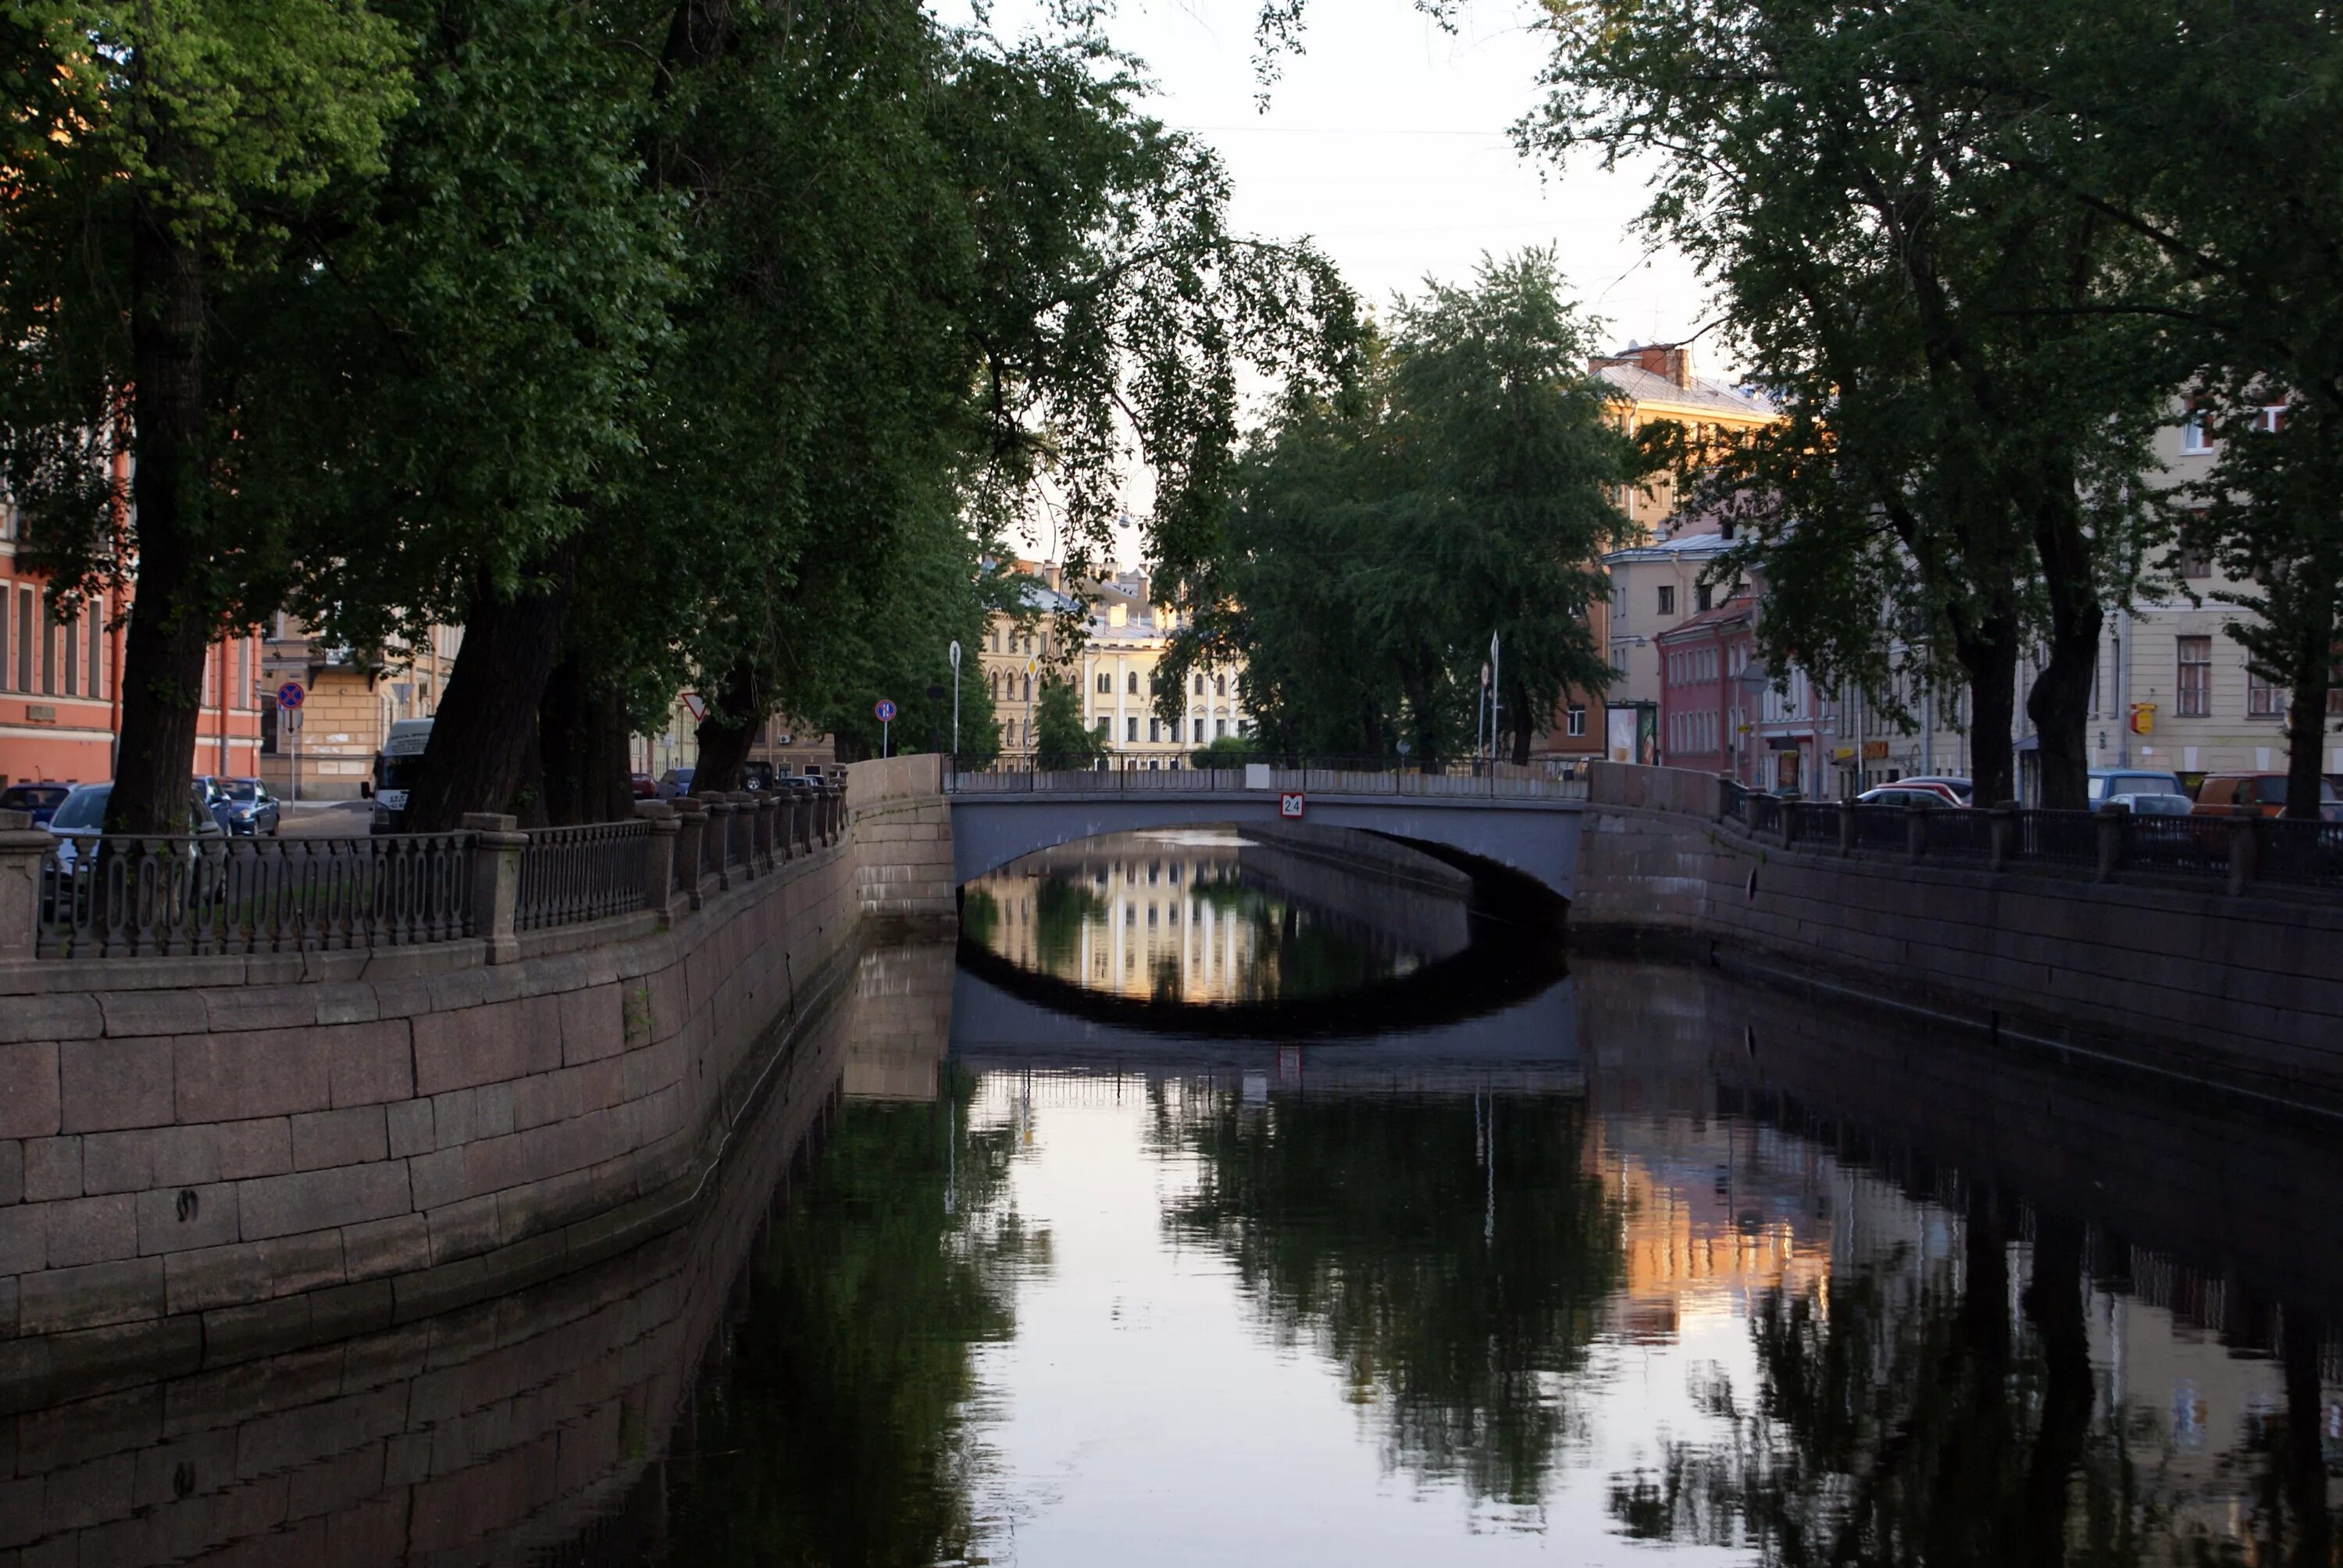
(1386, 142)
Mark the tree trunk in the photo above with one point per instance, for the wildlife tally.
(1523, 728)
(2313, 650)
(1988, 655)
(581, 734)
(727, 731)
(2054, 1301)
(2306, 1477)
(484, 738)
(173, 617)
(2060, 702)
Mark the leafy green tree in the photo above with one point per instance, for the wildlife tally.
(1061, 739)
(1225, 751)
(1455, 1269)
(1964, 464)
(1381, 537)
(165, 161)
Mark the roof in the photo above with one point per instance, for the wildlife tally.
(1032, 593)
(1731, 611)
(1641, 385)
(1681, 547)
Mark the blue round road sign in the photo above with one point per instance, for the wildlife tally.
(885, 711)
(290, 695)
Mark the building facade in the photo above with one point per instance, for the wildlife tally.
(351, 699)
(61, 688)
(1705, 705)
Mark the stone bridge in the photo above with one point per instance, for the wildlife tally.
(1525, 825)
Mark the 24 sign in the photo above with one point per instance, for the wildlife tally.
(1289, 805)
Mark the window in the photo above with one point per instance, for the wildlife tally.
(2196, 564)
(73, 659)
(1200, 729)
(1099, 728)
(97, 648)
(25, 640)
(1668, 599)
(1700, 596)
(2195, 691)
(2194, 437)
(1029, 686)
(1199, 686)
(1575, 722)
(1130, 729)
(49, 648)
(1154, 729)
(1220, 728)
(1219, 685)
(2263, 698)
(995, 640)
(243, 694)
(1106, 684)
(1130, 683)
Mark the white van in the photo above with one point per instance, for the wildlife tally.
(394, 767)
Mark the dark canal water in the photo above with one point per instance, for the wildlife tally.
(1217, 1204)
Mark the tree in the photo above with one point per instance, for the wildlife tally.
(1061, 739)
(1380, 538)
(165, 161)
(1969, 426)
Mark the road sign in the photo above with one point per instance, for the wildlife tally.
(695, 705)
(290, 695)
(884, 710)
(1289, 805)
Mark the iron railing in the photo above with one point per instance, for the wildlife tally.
(136, 896)
(1885, 829)
(2308, 854)
(1811, 822)
(1325, 776)
(2184, 846)
(2058, 838)
(569, 875)
(1954, 834)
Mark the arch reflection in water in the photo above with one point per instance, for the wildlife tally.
(1208, 916)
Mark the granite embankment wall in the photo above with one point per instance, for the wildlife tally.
(2242, 991)
(205, 1159)
(903, 837)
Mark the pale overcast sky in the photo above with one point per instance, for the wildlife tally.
(1386, 142)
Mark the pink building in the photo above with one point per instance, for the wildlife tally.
(1705, 709)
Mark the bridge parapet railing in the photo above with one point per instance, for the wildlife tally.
(1331, 775)
(570, 875)
(141, 896)
(2242, 848)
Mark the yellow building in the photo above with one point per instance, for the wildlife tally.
(351, 701)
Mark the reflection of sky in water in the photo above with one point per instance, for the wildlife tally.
(1195, 915)
(1364, 1329)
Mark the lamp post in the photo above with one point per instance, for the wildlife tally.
(955, 664)
(1496, 699)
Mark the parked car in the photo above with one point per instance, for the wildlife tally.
(1963, 790)
(646, 788)
(40, 799)
(243, 806)
(757, 775)
(1909, 793)
(2263, 792)
(2153, 804)
(83, 816)
(674, 783)
(2107, 781)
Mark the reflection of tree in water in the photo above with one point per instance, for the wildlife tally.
(839, 1437)
(1297, 953)
(1453, 1293)
(1062, 907)
(1905, 1417)
(979, 917)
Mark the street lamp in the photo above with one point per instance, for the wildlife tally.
(955, 664)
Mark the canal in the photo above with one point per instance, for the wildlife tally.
(1215, 1200)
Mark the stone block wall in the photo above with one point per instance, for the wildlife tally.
(903, 837)
(2241, 990)
(206, 1165)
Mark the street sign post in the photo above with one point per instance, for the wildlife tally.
(885, 709)
(955, 663)
(289, 697)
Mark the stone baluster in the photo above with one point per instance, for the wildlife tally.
(1916, 833)
(2113, 824)
(1847, 827)
(22, 848)
(743, 831)
(720, 812)
(690, 855)
(2001, 827)
(658, 855)
(2245, 848)
(496, 882)
(769, 816)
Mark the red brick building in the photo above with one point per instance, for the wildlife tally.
(1707, 711)
(61, 692)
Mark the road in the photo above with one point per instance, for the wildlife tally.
(326, 820)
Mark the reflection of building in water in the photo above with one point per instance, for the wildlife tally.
(1175, 916)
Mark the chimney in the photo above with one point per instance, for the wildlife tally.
(1666, 360)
